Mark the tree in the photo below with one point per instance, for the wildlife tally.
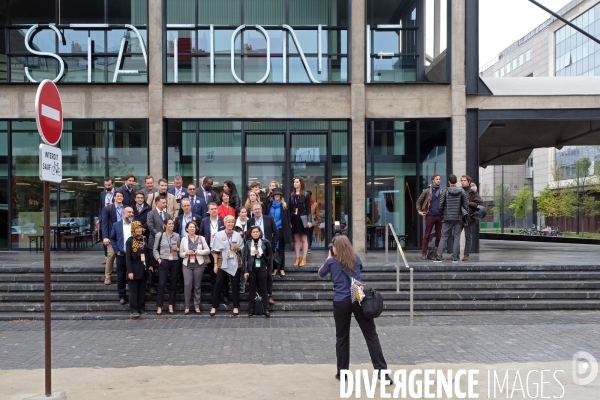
(583, 179)
(522, 203)
(556, 203)
(501, 199)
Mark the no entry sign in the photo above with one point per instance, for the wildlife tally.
(49, 112)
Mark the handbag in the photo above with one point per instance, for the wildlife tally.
(371, 301)
(98, 234)
(276, 256)
(258, 308)
(206, 257)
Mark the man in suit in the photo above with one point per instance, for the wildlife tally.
(127, 190)
(271, 233)
(198, 202)
(209, 227)
(207, 192)
(178, 191)
(111, 215)
(106, 199)
(185, 217)
(149, 189)
(140, 211)
(171, 207)
(154, 222)
(121, 231)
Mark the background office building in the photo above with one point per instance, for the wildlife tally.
(552, 49)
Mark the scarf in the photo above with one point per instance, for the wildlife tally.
(138, 241)
(275, 212)
(436, 190)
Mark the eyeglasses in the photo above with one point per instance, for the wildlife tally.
(192, 189)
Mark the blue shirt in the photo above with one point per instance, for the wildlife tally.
(341, 281)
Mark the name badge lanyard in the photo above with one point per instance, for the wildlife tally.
(142, 255)
(256, 256)
(170, 239)
(230, 240)
(185, 221)
(215, 227)
(297, 202)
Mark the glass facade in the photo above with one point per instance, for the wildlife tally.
(576, 54)
(395, 45)
(266, 150)
(401, 158)
(91, 45)
(92, 149)
(283, 41)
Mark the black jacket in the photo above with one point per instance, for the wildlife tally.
(179, 220)
(128, 197)
(452, 201)
(205, 228)
(303, 204)
(142, 217)
(248, 258)
(285, 220)
(270, 230)
(133, 261)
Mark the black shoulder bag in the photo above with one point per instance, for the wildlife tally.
(372, 304)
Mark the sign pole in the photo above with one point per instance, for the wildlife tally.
(47, 288)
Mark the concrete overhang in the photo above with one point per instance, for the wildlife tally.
(561, 112)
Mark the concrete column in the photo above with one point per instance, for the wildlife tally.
(358, 112)
(155, 88)
(459, 97)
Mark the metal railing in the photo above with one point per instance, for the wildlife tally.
(399, 253)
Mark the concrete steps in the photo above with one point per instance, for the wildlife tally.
(79, 291)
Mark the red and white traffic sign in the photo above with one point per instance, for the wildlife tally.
(49, 112)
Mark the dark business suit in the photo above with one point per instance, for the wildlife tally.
(118, 244)
(198, 205)
(154, 224)
(179, 222)
(103, 202)
(208, 197)
(128, 196)
(137, 285)
(205, 231)
(285, 233)
(270, 233)
(142, 216)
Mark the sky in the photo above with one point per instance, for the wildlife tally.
(502, 22)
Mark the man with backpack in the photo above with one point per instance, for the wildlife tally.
(428, 207)
(453, 205)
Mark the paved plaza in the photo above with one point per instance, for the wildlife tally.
(284, 354)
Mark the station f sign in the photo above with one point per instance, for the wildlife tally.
(49, 120)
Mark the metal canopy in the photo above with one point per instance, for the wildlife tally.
(544, 86)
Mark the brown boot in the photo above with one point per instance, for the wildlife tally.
(297, 261)
(424, 256)
(465, 258)
(302, 262)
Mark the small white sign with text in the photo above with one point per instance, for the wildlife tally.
(50, 163)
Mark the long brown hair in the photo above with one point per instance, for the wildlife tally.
(344, 252)
(302, 186)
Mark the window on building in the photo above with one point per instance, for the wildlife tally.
(521, 57)
(92, 43)
(502, 72)
(508, 68)
(199, 34)
(496, 73)
(527, 55)
(85, 145)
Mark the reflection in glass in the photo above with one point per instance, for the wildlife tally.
(40, 40)
(4, 197)
(77, 41)
(127, 149)
(339, 69)
(299, 74)
(340, 192)
(28, 196)
(40, 68)
(129, 63)
(395, 69)
(265, 147)
(181, 153)
(76, 69)
(221, 157)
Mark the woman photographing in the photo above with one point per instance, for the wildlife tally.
(256, 259)
(340, 263)
(166, 254)
(226, 248)
(301, 219)
(192, 252)
(135, 259)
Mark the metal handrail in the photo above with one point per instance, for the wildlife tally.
(398, 254)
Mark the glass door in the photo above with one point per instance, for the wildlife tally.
(308, 157)
(265, 160)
